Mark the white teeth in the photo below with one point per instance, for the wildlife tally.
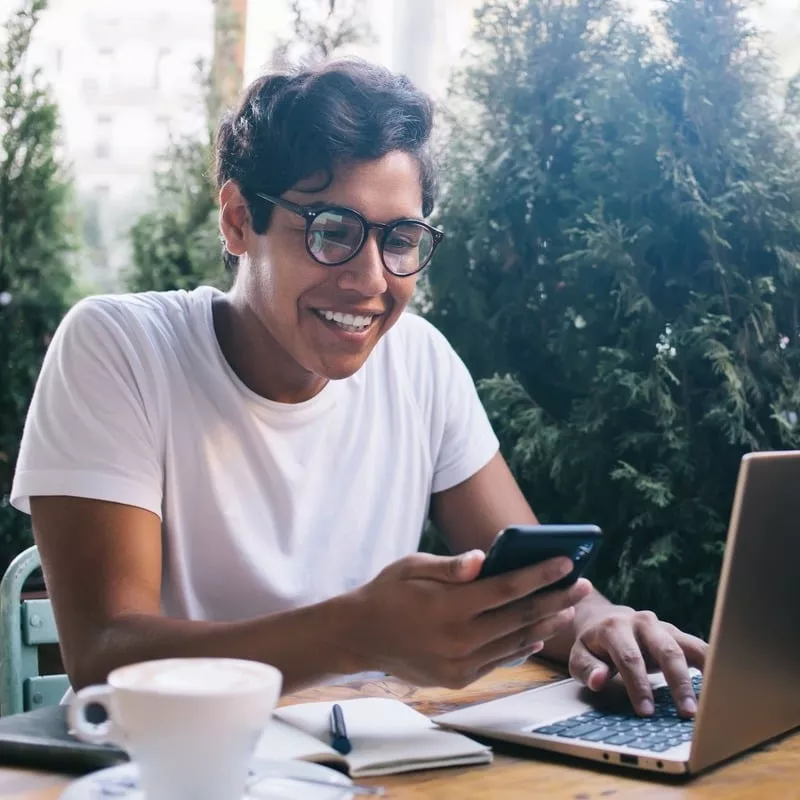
(348, 322)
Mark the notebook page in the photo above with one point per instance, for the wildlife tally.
(387, 736)
(281, 741)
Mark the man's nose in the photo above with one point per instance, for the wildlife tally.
(365, 274)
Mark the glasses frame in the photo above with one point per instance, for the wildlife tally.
(310, 213)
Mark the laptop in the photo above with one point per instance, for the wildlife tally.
(749, 692)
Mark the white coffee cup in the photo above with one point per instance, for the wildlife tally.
(190, 724)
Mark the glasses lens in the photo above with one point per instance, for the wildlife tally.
(407, 248)
(334, 236)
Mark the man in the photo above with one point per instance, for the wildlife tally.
(247, 473)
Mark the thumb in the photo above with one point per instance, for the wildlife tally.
(587, 668)
(462, 568)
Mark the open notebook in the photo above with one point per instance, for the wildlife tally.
(387, 737)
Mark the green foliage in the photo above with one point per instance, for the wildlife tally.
(176, 244)
(36, 241)
(622, 269)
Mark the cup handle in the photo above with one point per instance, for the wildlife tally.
(105, 732)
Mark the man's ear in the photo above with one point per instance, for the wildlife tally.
(234, 218)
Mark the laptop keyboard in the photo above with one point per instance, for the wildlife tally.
(662, 731)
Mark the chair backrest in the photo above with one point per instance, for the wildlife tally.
(25, 625)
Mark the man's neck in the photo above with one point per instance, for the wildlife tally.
(257, 359)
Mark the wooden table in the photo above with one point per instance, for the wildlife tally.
(772, 772)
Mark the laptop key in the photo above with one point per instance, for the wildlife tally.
(581, 730)
(666, 724)
(640, 744)
(674, 742)
(600, 735)
(621, 738)
(587, 716)
(550, 730)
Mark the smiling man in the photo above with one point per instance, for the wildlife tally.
(248, 473)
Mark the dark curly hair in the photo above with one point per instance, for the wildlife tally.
(290, 126)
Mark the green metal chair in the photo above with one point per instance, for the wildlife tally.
(25, 625)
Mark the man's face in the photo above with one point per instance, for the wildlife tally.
(292, 295)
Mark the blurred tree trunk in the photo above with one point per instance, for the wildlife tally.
(227, 75)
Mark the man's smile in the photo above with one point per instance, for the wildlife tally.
(347, 321)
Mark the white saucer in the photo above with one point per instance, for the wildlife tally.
(122, 783)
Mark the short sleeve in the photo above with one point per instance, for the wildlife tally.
(468, 441)
(460, 437)
(91, 429)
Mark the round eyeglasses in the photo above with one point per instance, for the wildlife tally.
(335, 235)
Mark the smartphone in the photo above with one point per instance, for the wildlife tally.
(525, 545)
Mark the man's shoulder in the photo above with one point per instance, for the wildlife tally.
(132, 315)
(420, 351)
(413, 332)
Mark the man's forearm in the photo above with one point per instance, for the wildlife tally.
(306, 644)
(558, 648)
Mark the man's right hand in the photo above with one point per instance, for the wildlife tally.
(427, 620)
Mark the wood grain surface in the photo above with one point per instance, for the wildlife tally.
(772, 772)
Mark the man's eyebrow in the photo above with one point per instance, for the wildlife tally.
(317, 204)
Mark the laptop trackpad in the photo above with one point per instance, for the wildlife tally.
(522, 711)
(544, 705)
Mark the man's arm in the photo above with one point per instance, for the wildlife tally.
(102, 566)
(602, 638)
(423, 618)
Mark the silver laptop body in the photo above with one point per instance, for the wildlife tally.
(751, 684)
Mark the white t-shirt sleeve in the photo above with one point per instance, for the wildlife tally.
(90, 428)
(468, 440)
(462, 438)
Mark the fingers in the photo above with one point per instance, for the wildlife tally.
(463, 568)
(587, 668)
(518, 645)
(539, 610)
(629, 642)
(519, 655)
(504, 589)
(623, 651)
(465, 663)
(662, 647)
(675, 651)
(508, 647)
(694, 648)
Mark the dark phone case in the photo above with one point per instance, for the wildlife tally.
(40, 740)
(526, 545)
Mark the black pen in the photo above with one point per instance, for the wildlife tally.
(339, 741)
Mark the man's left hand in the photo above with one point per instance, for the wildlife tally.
(618, 639)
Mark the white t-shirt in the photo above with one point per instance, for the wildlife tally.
(265, 506)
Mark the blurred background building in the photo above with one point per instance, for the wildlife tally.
(126, 78)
